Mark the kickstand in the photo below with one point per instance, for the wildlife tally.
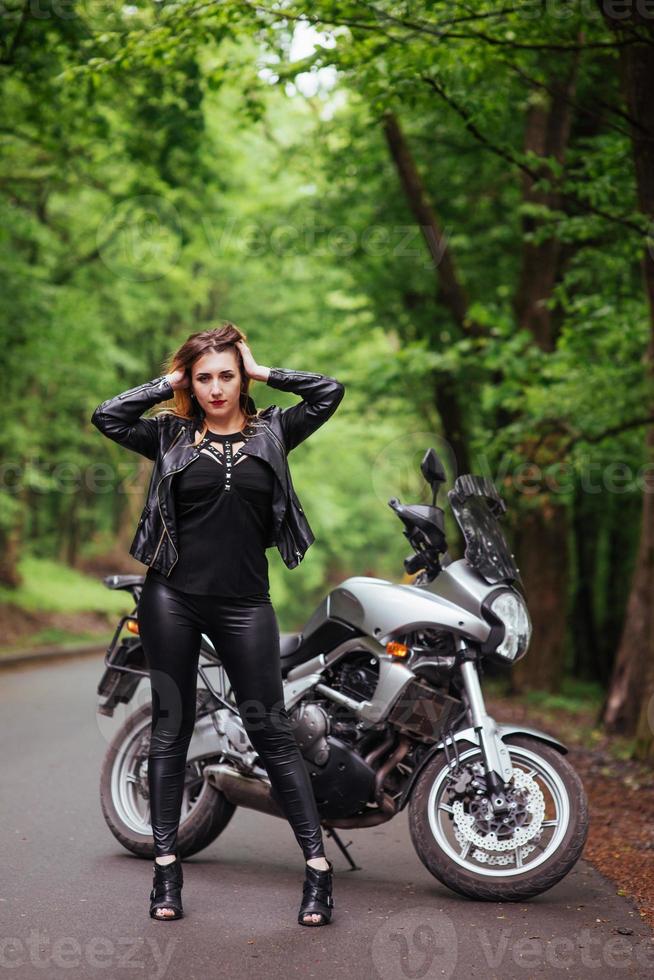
(343, 848)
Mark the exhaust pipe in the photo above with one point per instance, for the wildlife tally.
(242, 790)
(256, 794)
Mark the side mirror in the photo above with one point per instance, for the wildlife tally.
(433, 471)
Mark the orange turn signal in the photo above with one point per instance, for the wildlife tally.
(132, 626)
(397, 649)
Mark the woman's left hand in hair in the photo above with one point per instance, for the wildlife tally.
(255, 371)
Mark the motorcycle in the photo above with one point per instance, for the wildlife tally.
(383, 689)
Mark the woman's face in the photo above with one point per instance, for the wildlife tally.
(216, 382)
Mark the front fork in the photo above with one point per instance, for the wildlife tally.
(497, 761)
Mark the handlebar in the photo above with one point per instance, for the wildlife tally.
(426, 553)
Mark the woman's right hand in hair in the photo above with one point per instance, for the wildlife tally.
(178, 379)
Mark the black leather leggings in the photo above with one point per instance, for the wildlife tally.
(246, 637)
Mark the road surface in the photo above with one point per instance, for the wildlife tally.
(74, 903)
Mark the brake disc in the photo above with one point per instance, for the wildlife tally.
(488, 846)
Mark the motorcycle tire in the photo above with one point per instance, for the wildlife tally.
(510, 887)
(207, 818)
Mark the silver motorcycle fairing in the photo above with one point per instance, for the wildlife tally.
(470, 735)
(463, 585)
(381, 608)
(377, 609)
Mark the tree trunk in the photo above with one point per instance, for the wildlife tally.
(628, 705)
(451, 293)
(12, 538)
(10, 542)
(584, 633)
(629, 692)
(621, 525)
(543, 563)
(547, 133)
(542, 542)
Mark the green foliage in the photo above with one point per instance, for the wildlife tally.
(54, 587)
(163, 170)
(575, 695)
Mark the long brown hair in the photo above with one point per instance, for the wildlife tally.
(185, 405)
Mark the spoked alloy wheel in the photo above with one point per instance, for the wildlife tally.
(507, 856)
(125, 798)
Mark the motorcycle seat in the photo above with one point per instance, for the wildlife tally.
(288, 643)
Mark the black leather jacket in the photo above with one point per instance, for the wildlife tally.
(167, 440)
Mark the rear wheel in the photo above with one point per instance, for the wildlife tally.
(509, 856)
(125, 797)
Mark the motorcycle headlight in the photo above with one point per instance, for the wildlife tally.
(511, 610)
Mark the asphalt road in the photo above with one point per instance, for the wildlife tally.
(74, 903)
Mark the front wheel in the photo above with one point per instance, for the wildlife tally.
(508, 856)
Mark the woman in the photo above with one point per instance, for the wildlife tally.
(220, 493)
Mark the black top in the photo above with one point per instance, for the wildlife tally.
(223, 513)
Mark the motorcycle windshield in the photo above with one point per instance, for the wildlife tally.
(477, 506)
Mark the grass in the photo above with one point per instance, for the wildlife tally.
(49, 586)
(573, 712)
(58, 638)
(57, 591)
(55, 636)
(574, 696)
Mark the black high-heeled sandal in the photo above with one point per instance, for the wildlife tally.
(166, 890)
(317, 895)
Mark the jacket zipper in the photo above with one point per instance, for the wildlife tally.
(165, 529)
(290, 530)
(148, 384)
(298, 553)
(158, 546)
(276, 439)
(173, 443)
(282, 447)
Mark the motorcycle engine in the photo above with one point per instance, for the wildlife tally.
(311, 727)
(357, 676)
(330, 739)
